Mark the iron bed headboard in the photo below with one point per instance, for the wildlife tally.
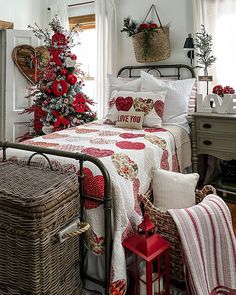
(158, 69)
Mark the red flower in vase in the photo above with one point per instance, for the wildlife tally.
(221, 91)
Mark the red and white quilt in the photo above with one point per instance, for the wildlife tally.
(130, 157)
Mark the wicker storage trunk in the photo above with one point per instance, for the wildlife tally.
(35, 205)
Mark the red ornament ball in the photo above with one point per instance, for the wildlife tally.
(63, 72)
(71, 79)
(73, 57)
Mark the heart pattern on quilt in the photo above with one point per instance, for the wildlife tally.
(130, 135)
(136, 187)
(84, 130)
(155, 130)
(124, 103)
(70, 148)
(55, 135)
(96, 152)
(125, 167)
(31, 62)
(143, 105)
(159, 108)
(129, 145)
(161, 143)
(94, 187)
(164, 160)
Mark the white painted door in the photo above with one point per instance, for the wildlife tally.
(16, 87)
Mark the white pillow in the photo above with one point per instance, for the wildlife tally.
(177, 98)
(172, 190)
(152, 104)
(129, 84)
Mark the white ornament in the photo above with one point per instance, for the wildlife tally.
(69, 62)
(47, 129)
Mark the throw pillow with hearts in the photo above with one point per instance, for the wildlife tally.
(149, 103)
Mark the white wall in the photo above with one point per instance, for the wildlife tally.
(23, 12)
(176, 12)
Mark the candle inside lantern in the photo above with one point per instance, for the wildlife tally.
(155, 284)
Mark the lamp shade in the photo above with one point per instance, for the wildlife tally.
(189, 44)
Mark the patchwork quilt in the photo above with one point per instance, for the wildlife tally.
(130, 157)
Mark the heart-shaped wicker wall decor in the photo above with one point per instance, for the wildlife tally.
(31, 61)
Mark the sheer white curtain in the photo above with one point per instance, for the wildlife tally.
(106, 27)
(219, 16)
(61, 10)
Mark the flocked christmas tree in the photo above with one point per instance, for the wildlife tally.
(58, 98)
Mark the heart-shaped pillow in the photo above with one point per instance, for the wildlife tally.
(143, 105)
(31, 61)
(124, 103)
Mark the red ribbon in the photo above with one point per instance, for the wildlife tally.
(60, 120)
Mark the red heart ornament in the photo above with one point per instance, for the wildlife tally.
(159, 108)
(96, 152)
(124, 103)
(130, 145)
(94, 187)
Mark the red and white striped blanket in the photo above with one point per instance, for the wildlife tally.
(209, 245)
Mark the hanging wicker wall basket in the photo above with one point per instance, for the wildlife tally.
(159, 47)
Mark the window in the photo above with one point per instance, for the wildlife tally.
(86, 50)
(218, 16)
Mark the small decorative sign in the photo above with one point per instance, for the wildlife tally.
(205, 78)
(226, 104)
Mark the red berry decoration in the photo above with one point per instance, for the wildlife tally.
(71, 79)
(73, 57)
(63, 72)
(48, 91)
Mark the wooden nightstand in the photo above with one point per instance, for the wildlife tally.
(215, 134)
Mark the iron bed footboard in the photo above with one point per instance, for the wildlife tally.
(107, 201)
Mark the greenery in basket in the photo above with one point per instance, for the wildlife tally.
(203, 44)
(131, 27)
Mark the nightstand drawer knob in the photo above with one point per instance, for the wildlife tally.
(207, 142)
(207, 125)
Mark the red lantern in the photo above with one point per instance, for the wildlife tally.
(71, 79)
(59, 87)
(59, 39)
(148, 261)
